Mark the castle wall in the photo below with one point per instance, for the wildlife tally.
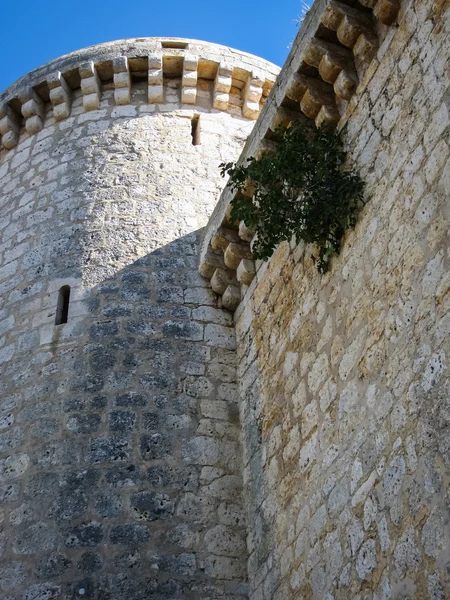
(120, 465)
(344, 377)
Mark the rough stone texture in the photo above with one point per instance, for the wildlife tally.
(120, 458)
(120, 450)
(344, 378)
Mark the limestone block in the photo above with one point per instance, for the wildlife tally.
(210, 262)
(224, 567)
(188, 95)
(345, 84)
(315, 50)
(318, 94)
(235, 253)
(155, 79)
(223, 541)
(330, 59)
(34, 124)
(221, 100)
(32, 110)
(231, 297)
(366, 561)
(348, 31)
(407, 555)
(122, 96)
(90, 86)
(366, 46)
(252, 95)
(223, 237)
(327, 116)
(330, 66)
(189, 79)
(222, 87)
(122, 81)
(246, 271)
(9, 127)
(349, 23)
(155, 94)
(332, 15)
(296, 87)
(221, 279)
(386, 11)
(60, 96)
(245, 233)
(13, 466)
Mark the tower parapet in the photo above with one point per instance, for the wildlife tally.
(210, 74)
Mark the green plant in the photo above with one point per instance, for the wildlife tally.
(301, 189)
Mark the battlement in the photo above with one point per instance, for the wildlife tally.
(332, 60)
(226, 79)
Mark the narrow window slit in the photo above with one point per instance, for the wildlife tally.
(195, 130)
(62, 309)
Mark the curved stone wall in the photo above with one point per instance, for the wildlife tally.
(119, 446)
(209, 74)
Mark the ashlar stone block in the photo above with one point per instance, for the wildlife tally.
(122, 81)
(60, 96)
(90, 86)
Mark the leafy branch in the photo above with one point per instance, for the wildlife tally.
(301, 189)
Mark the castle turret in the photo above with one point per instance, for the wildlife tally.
(120, 465)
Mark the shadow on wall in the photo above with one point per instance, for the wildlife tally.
(125, 474)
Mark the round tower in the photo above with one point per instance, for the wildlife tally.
(120, 466)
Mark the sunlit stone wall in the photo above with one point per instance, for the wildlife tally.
(344, 378)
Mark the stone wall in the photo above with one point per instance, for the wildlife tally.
(120, 464)
(344, 377)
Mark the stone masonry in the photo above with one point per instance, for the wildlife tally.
(206, 425)
(120, 460)
(344, 378)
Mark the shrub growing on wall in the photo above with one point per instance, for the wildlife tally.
(302, 188)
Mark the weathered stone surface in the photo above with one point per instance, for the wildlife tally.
(120, 460)
(342, 377)
(53, 565)
(132, 535)
(87, 534)
(35, 539)
(108, 193)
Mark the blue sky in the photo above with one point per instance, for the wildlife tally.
(35, 32)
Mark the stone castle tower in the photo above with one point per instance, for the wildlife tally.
(179, 421)
(122, 471)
